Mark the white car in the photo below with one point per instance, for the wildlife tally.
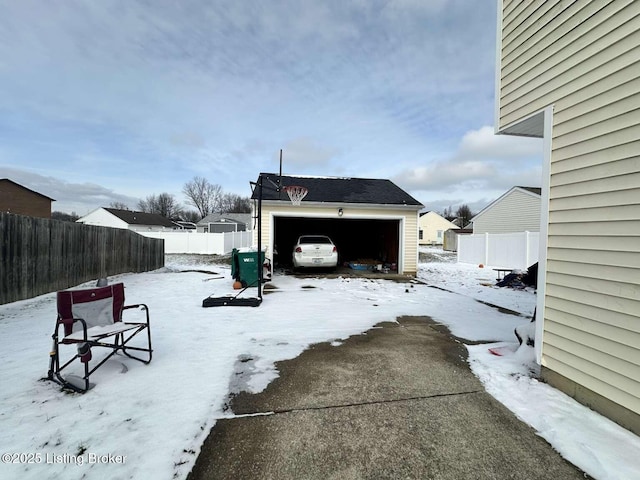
(315, 251)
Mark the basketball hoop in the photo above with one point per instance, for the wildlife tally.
(296, 193)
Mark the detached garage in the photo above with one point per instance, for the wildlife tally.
(369, 220)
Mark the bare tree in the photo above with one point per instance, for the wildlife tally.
(65, 217)
(203, 195)
(448, 213)
(163, 204)
(190, 216)
(168, 206)
(119, 206)
(234, 203)
(464, 213)
(148, 204)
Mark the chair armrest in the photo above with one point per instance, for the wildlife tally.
(138, 305)
(67, 323)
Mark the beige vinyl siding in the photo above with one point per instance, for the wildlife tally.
(584, 59)
(517, 211)
(564, 51)
(593, 279)
(410, 243)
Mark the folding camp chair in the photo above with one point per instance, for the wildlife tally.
(90, 318)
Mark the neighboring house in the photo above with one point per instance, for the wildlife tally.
(225, 222)
(432, 227)
(128, 219)
(15, 198)
(367, 219)
(569, 72)
(518, 210)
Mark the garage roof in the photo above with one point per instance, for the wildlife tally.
(338, 190)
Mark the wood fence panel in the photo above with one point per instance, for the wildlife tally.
(39, 255)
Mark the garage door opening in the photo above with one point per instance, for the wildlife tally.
(357, 240)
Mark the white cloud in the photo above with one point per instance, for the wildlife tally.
(484, 143)
(446, 174)
(481, 168)
(69, 197)
(482, 161)
(304, 152)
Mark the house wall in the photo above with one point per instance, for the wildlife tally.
(408, 218)
(517, 211)
(584, 59)
(20, 201)
(243, 220)
(430, 224)
(101, 218)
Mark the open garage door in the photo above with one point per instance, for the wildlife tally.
(356, 239)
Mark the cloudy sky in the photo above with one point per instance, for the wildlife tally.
(115, 100)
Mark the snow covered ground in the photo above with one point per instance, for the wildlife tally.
(150, 421)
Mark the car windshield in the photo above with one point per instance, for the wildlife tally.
(314, 239)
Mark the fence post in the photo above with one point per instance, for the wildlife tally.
(526, 248)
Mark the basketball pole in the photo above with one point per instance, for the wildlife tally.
(280, 178)
(260, 185)
(278, 188)
(259, 262)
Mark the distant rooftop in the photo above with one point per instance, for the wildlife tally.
(141, 218)
(25, 188)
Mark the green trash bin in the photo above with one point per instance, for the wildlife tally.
(244, 267)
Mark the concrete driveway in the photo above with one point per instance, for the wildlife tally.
(396, 402)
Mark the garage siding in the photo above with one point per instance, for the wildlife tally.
(408, 221)
(584, 59)
(410, 242)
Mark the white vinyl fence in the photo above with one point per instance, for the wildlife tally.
(202, 243)
(502, 250)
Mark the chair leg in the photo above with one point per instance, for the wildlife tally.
(86, 376)
(148, 350)
(53, 358)
(54, 374)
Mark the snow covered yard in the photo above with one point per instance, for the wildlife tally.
(150, 421)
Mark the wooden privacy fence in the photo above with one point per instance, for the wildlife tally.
(38, 255)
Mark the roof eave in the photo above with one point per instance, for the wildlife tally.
(368, 206)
